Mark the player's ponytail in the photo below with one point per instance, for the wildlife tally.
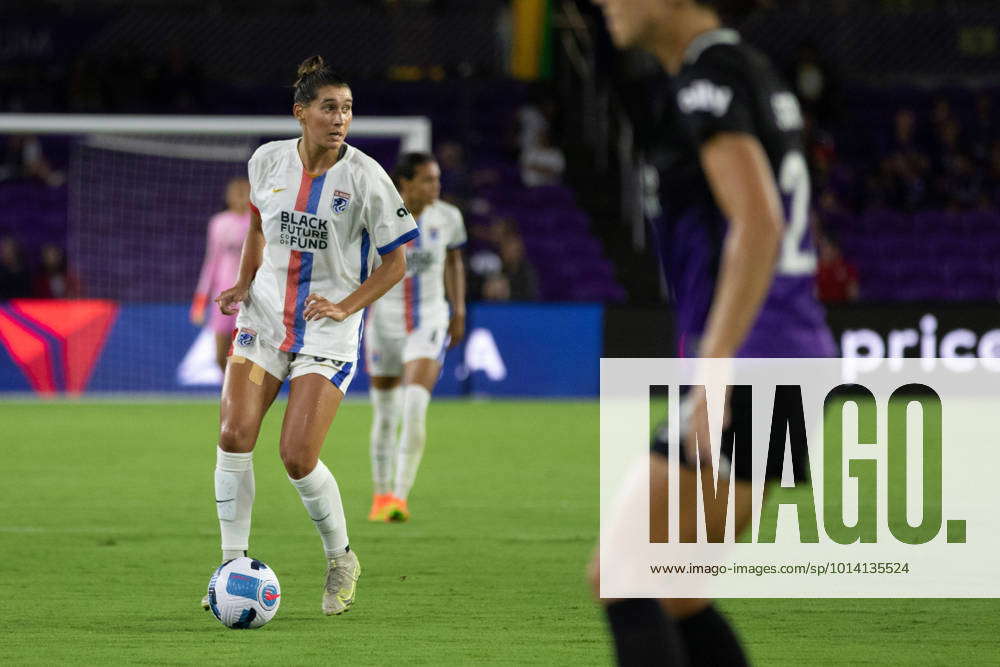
(734, 10)
(314, 74)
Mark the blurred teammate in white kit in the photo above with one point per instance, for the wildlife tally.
(408, 331)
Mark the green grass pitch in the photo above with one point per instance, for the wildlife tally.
(108, 537)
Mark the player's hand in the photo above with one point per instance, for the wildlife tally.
(456, 329)
(694, 422)
(227, 300)
(317, 307)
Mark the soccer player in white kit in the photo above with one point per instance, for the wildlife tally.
(321, 212)
(409, 329)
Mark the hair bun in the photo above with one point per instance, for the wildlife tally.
(310, 66)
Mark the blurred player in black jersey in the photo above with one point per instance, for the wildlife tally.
(736, 250)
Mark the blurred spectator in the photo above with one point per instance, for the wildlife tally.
(496, 288)
(455, 181)
(15, 281)
(543, 163)
(991, 194)
(517, 269)
(941, 112)
(499, 270)
(23, 159)
(814, 84)
(956, 179)
(836, 278)
(983, 131)
(534, 119)
(484, 259)
(54, 280)
(903, 173)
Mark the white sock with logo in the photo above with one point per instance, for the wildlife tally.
(234, 491)
(387, 410)
(321, 496)
(412, 438)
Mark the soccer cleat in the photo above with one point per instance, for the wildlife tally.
(380, 507)
(341, 583)
(398, 512)
(204, 602)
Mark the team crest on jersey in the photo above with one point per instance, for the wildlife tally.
(341, 200)
(433, 233)
(246, 337)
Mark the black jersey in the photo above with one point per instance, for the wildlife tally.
(726, 86)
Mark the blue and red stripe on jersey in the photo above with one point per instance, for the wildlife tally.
(300, 265)
(411, 293)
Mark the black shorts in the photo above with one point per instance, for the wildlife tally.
(741, 464)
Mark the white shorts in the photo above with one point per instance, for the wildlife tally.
(386, 355)
(289, 365)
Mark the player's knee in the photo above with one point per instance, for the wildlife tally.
(236, 437)
(297, 464)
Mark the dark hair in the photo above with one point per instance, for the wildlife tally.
(314, 74)
(408, 163)
(734, 10)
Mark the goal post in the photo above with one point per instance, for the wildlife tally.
(140, 193)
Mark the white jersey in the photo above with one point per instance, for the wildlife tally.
(318, 233)
(418, 300)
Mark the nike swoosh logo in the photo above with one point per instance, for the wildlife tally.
(225, 501)
(323, 519)
(278, 189)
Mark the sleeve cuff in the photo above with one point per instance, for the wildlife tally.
(255, 209)
(405, 238)
(457, 246)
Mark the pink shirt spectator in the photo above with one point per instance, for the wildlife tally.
(226, 232)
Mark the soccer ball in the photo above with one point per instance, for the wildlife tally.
(244, 593)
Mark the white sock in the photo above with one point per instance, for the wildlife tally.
(234, 491)
(321, 496)
(387, 409)
(411, 438)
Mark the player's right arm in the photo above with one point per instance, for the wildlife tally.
(743, 186)
(250, 261)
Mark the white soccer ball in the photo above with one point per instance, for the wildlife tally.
(244, 593)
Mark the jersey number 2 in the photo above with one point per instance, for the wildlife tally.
(795, 191)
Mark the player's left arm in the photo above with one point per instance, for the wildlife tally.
(388, 273)
(743, 186)
(454, 287)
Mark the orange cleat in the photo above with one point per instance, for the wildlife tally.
(398, 511)
(381, 504)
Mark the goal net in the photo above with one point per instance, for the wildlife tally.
(141, 193)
